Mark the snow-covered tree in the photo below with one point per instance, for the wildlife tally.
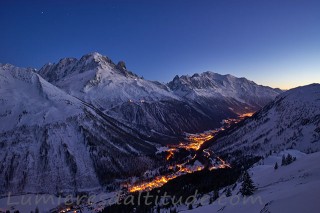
(247, 187)
(276, 166)
(228, 192)
(216, 194)
(283, 161)
(289, 159)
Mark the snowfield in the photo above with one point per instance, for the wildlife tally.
(294, 188)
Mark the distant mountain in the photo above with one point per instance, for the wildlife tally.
(187, 104)
(291, 121)
(51, 141)
(209, 85)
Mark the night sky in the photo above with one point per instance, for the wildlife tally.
(272, 42)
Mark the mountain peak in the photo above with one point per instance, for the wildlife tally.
(95, 57)
(66, 66)
(6, 65)
(96, 54)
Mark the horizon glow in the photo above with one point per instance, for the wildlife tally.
(273, 43)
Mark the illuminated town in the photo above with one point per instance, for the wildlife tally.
(194, 143)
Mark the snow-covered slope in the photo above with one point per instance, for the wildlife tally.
(292, 120)
(27, 99)
(51, 141)
(293, 188)
(145, 105)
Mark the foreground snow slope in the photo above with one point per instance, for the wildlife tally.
(293, 188)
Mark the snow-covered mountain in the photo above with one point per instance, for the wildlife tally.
(51, 141)
(292, 120)
(198, 105)
(96, 79)
(123, 95)
(94, 121)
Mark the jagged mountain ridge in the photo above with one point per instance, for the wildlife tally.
(145, 104)
(51, 141)
(291, 121)
(213, 85)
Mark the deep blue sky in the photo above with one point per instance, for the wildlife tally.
(272, 42)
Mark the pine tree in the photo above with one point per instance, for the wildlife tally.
(216, 194)
(228, 192)
(289, 159)
(276, 166)
(247, 186)
(234, 186)
(283, 161)
(173, 211)
(211, 199)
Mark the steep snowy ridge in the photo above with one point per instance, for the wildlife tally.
(51, 141)
(27, 99)
(292, 120)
